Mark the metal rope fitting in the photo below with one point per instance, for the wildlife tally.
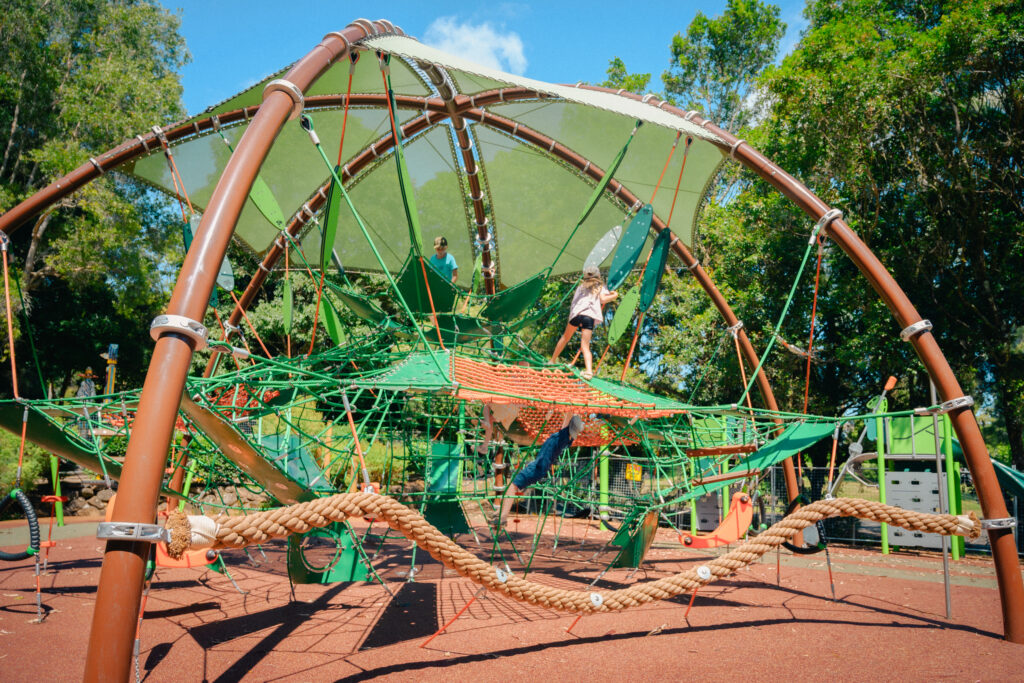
(289, 89)
(734, 329)
(946, 406)
(179, 324)
(159, 132)
(95, 163)
(999, 523)
(132, 531)
(955, 404)
(596, 599)
(830, 215)
(910, 331)
(237, 352)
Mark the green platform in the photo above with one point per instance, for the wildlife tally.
(345, 565)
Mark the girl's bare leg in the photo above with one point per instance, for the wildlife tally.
(588, 359)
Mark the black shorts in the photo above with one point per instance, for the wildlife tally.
(584, 322)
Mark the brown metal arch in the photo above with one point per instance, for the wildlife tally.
(120, 586)
(1004, 551)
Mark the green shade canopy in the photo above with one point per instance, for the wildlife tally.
(530, 196)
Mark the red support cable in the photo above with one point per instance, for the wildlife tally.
(10, 318)
(263, 346)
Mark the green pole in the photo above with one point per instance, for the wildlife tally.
(724, 493)
(189, 473)
(880, 438)
(58, 506)
(602, 497)
(951, 498)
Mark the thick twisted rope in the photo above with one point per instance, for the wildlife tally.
(236, 532)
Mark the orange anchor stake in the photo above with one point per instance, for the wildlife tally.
(732, 528)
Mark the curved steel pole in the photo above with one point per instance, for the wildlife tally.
(120, 588)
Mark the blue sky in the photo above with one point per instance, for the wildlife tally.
(235, 44)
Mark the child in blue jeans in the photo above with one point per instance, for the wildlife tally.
(538, 468)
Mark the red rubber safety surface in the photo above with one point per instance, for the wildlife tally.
(888, 623)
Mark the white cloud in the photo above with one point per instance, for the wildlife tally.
(480, 43)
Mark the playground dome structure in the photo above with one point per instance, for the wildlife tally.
(528, 181)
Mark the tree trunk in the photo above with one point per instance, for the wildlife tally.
(14, 124)
(30, 274)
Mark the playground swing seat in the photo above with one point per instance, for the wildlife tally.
(731, 529)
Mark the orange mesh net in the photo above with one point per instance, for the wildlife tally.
(546, 395)
(549, 388)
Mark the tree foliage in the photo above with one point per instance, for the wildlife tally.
(78, 77)
(715, 64)
(619, 77)
(907, 117)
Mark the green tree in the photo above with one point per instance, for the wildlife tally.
(78, 77)
(618, 77)
(715, 64)
(906, 116)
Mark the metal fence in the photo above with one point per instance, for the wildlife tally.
(865, 485)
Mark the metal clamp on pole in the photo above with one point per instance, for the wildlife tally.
(734, 329)
(289, 89)
(179, 324)
(485, 244)
(735, 146)
(132, 531)
(830, 215)
(999, 523)
(911, 331)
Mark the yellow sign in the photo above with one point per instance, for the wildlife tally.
(633, 472)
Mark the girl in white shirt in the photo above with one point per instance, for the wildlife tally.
(584, 314)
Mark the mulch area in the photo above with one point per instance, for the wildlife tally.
(889, 619)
